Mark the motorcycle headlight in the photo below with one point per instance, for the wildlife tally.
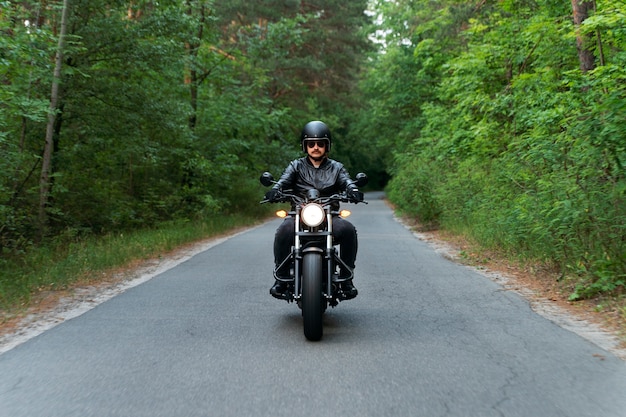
(312, 215)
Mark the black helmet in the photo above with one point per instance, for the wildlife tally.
(315, 130)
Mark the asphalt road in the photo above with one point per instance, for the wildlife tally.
(425, 337)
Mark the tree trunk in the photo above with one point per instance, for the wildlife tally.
(581, 9)
(192, 50)
(44, 182)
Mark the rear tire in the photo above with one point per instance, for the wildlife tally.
(313, 302)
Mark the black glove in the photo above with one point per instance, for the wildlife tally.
(355, 195)
(272, 195)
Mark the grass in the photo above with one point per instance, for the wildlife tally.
(76, 259)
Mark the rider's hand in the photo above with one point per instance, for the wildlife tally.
(272, 195)
(355, 195)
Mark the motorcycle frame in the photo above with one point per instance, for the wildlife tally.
(329, 254)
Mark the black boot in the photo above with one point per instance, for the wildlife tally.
(347, 290)
(282, 290)
(278, 290)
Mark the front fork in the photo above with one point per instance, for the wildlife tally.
(296, 256)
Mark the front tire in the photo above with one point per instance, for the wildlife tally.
(312, 296)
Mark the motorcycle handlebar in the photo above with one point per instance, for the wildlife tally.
(288, 198)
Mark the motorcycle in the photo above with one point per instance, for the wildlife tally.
(314, 281)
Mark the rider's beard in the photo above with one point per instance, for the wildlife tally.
(318, 158)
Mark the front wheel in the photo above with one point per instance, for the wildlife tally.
(312, 296)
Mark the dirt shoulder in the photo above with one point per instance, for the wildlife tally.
(50, 308)
(600, 320)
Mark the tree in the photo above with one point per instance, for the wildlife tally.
(54, 98)
(312, 51)
(581, 10)
(518, 135)
(160, 111)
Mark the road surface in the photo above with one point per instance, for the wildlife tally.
(425, 337)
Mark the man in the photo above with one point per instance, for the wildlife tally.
(316, 170)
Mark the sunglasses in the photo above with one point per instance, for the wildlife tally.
(319, 143)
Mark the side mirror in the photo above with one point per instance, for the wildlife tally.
(267, 179)
(361, 179)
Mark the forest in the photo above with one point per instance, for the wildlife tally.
(504, 121)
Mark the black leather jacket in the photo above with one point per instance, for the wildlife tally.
(301, 175)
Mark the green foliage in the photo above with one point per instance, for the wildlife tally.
(512, 143)
(167, 112)
(413, 190)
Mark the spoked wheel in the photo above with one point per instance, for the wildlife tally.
(313, 301)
